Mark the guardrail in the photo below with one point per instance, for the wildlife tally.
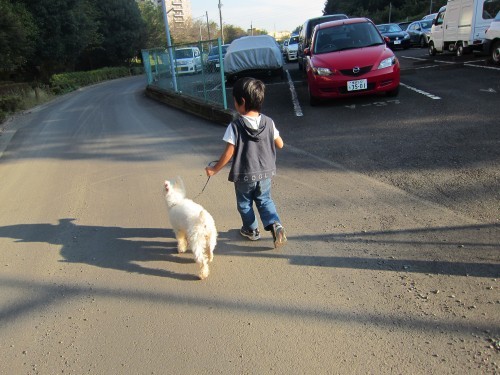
(192, 69)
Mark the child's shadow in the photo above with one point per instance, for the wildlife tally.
(233, 243)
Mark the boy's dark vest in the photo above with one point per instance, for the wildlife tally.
(254, 156)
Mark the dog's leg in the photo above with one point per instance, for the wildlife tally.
(181, 241)
(201, 259)
(209, 251)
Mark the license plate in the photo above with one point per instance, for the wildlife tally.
(361, 84)
(217, 65)
(397, 42)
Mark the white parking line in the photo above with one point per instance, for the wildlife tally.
(427, 67)
(483, 66)
(295, 99)
(420, 91)
(414, 58)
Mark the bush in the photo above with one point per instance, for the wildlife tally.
(66, 82)
(10, 103)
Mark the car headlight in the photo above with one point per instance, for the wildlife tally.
(407, 36)
(385, 63)
(322, 71)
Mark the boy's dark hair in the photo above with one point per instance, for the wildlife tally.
(250, 89)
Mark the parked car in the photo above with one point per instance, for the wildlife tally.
(429, 16)
(350, 57)
(187, 60)
(404, 25)
(492, 42)
(283, 47)
(419, 32)
(253, 54)
(433, 15)
(306, 32)
(291, 49)
(213, 63)
(397, 38)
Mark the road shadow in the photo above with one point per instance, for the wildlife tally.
(128, 249)
(466, 244)
(108, 247)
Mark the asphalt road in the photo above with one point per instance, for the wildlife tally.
(381, 273)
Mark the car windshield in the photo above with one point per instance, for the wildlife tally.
(393, 28)
(347, 36)
(426, 24)
(214, 51)
(293, 40)
(184, 53)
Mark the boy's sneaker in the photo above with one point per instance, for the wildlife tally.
(252, 235)
(279, 235)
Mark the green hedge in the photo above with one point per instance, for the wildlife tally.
(66, 82)
(18, 96)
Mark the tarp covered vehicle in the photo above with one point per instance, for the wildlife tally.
(253, 54)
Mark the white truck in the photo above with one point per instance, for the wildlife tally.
(460, 27)
(492, 42)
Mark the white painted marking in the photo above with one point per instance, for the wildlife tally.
(414, 58)
(483, 66)
(489, 90)
(295, 99)
(420, 91)
(427, 67)
(447, 62)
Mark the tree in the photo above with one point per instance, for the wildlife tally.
(154, 25)
(232, 32)
(64, 31)
(378, 10)
(123, 32)
(17, 38)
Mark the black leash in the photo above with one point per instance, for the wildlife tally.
(208, 179)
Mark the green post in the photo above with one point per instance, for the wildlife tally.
(223, 81)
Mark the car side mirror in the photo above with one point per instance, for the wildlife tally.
(307, 52)
(387, 40)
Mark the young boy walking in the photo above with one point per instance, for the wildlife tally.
(251, 141)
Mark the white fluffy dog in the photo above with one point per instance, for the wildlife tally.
(193, 226)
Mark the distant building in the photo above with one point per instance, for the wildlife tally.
(180, 13)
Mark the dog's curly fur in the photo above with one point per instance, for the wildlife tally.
(193, 226)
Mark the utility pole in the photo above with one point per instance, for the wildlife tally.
(208, 25)
(430, 9)
(221, 27)
(169, 43)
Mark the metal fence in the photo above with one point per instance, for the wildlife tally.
(192, 69)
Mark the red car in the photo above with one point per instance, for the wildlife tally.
(350, 57)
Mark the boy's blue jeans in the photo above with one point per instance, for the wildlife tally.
(260, 193)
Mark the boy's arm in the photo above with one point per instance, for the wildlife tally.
(223, 160)
(279, 142)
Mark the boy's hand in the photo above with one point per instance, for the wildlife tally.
(210, 171)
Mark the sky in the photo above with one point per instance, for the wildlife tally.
(269, 15)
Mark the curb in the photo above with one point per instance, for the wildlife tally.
(190, 105)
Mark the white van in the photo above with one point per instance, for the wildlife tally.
(461, 26)
(188, 60)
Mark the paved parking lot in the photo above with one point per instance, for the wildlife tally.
(439, 139)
